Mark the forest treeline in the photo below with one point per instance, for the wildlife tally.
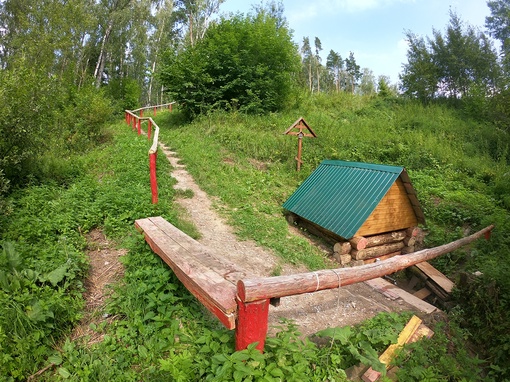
(66, 65)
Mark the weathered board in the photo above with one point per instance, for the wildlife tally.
(440, 279)
(210, 279)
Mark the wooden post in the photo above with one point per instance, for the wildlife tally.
(154, 183)
(139, 126)
(300, 148)
(141, 113)
(133, 125)
(252, 318)
(170, 107)
(300, 125)
(149, 129)
(155, 110)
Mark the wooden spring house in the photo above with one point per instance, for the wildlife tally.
(360, 206)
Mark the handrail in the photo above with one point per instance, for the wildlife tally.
(136, 121)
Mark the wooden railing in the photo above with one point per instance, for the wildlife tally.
(135, 118)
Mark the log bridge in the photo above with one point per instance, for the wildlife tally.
(240, 301)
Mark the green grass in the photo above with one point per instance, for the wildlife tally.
(161, 333)
(459, 168)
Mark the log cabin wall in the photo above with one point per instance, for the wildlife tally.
(394, 212)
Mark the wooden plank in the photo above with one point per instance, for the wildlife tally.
(383, 287)
(403, 337)
(440, 279)
(393, 213)
(413, 331)
(423, 293)
(227, 269)
(216, 293)
(388, 289)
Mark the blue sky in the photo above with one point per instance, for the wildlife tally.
(372, 29)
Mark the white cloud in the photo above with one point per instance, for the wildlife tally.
(300, 11)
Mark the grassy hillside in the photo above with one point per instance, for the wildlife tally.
(459, 167)
(159, 332)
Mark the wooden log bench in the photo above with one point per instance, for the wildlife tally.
(240, 301)
(211, 280)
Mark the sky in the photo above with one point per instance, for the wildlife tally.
(374, 30)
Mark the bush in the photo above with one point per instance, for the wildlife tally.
(243, 63)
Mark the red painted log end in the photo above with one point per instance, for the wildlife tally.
(252, 322)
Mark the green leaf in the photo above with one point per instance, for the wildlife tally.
(55, 359)
(64, 373)
(57, 275)
(142, 351)
(338, 334)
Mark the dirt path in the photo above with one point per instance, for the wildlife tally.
(105, 270)
(311, 312)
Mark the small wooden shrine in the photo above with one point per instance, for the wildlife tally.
(368, 211)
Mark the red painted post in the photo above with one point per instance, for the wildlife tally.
(154, 183)
(155, 110)
(251, 323)
(139, 126)
(141, 113)
(133, 119)
(149, 129)
(170, 107)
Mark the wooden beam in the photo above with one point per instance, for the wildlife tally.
(440, 279)
(263, 288)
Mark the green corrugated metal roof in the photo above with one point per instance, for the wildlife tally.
(339, 196)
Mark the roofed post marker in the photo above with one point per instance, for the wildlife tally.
(298, 128)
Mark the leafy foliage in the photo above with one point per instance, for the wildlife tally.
(42, 264)
(454, 65)
(242, 63)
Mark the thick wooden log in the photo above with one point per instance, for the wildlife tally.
(381, 258)
(408, 250)
(385, 238)
(410, 241)
(358, 242)
(413, 231)
(380, 250)
(280, 286)
(318, 231)
(342, 248)
(343, 259)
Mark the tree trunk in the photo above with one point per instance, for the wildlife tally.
(385, 238)
(98, 73)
